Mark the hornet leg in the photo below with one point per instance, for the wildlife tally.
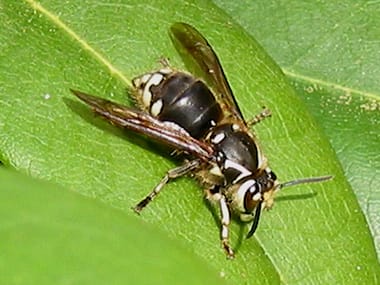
(259, 117)
(171, 174)
(215, 196)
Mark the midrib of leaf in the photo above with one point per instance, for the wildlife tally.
(330, 85)
(82, 42)
(117, 73)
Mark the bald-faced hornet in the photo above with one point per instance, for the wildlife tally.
(207, 128)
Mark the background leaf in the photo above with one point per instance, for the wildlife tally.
(53, 236)
(97, 47)
(330, 52)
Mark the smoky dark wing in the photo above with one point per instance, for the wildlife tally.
(165, 132)
(198, 47)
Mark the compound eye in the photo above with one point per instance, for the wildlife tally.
(272, 176)
(252, 198)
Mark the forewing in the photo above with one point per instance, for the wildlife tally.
(165, 132)
(198, 47)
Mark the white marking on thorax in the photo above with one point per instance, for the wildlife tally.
(218, 138)
(235, 127)
(261, 160)
(244, 172)
(156, 108)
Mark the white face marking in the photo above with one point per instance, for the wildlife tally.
(218, 138)
(212, 122)
(156, 108)
(244, 188)
(256, 197)
(244, 172)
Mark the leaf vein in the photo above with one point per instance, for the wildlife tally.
(85, 45)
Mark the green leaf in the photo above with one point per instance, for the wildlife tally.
(50, 47)
(53, 236)
(330, 52)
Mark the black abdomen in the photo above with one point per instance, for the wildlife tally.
(184, 100)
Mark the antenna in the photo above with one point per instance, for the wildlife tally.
(280, 186)
(304, 181)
